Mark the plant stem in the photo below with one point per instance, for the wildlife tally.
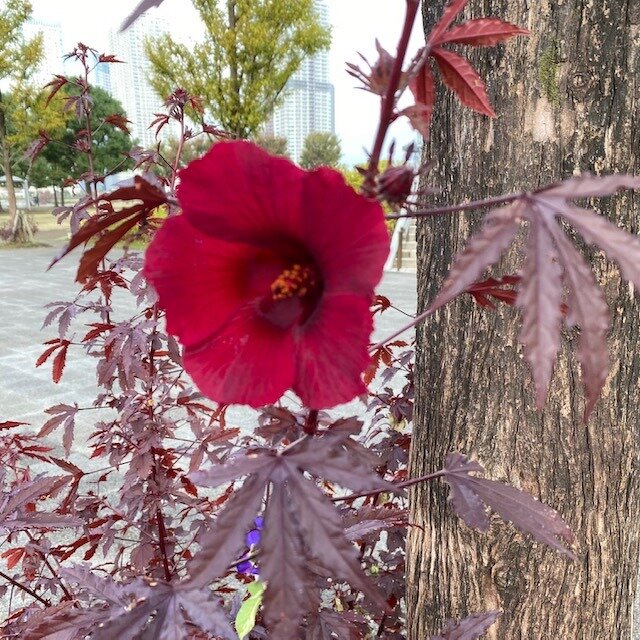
(311, 423)
(400, 485)
(388, 102)
(54, 573)
(24, 588)
(162, 533)
(406, 327)
(176, 164)
(463, 206)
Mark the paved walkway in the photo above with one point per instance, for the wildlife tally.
(26, 286)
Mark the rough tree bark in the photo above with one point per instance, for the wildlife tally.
(568, 99)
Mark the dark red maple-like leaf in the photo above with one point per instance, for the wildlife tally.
(104, 57)
(302, 526)
(222, 543)
(449, 14)
(61, 346)
(36, 147)
(137, 609)
(368, 520)
(540, 299)
(423, 88)
(322, 529)
(64, 620)
(470, 628)
(63, 416)
(470, 494)
(9, 424)
(326, 458)
(419, 116)
(501, 289)
(328, 625)
(119, 121)
(16, 505)
(458, 74)
(56, 84)
(482, 32)
(552, 262)
(149, 196)
(283, 567)
(380, 304)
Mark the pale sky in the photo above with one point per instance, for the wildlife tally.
(355, 23)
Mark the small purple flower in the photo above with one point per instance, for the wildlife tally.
(247, 567)
(253, 537)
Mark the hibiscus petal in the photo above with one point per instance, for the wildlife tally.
(332, 351)
(249, 361)
(345, 233)
(239, 192)
(201, 281)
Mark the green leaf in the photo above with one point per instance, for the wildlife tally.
(246, 618)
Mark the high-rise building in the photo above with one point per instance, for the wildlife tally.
(309, 103)
(53, 53)
(129, 81)
(102, 76)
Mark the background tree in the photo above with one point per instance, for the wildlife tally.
(320, 149)
(111, 139)
(191, 149)
(45, 173)
(251, 48)
(277, 145)
(564, 105)
(19, 59)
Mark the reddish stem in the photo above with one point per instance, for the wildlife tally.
(162, 534)
(388, 102)
(406, 327)
(400, 485)
(463, 206)
(54, 573)
(311, 423)
(24, 588)
(176, 164)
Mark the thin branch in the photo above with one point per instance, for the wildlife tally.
(463, 206)
(406, 327)
(24, 588)
(311, 423)
(163, 547)
(388, 102)
(54, 573)
(400, 485)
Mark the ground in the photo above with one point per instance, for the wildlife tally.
(27, 286)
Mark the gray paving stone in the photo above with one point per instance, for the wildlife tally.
(26, 287)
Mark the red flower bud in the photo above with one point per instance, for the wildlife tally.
(394, 184)
(377, 79)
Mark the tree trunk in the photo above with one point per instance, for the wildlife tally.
(567, 100)
(238, 129)
(55, 197)
(7, 168)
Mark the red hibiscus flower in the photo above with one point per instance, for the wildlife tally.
(267, 276)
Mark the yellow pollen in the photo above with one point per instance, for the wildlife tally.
(296, 281)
